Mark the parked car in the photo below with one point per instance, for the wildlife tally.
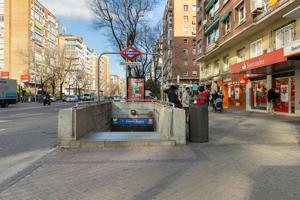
(72, 98)
(150, 95)
(52, 98)
(87, 97)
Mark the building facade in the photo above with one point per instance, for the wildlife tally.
(179, 42)
(117, 86)
(247, 47)
(28, 41)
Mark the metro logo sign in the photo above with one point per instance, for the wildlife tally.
(130, 53)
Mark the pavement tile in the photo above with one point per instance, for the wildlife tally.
(245, 159)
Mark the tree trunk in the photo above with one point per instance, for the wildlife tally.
(60, 90)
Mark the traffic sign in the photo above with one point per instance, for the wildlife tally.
(130, 53)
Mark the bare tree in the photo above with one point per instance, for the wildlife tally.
(63, 68)
(123, 19)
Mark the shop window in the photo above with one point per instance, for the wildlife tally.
(259, 95)
(256, 48)
(285, 36)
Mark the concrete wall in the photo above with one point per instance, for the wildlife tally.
(122, 109)
(171, 122)
(74, 123)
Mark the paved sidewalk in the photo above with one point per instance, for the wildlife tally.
(250, 156)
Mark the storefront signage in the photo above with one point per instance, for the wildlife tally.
(260, 61)
(293, 49)
(136, 88)
(25, 78)
(4, 74)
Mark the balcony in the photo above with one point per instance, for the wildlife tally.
(212, 46)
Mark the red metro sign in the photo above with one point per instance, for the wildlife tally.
(130, 53)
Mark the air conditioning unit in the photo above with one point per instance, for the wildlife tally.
(257, 6)
(204, 22)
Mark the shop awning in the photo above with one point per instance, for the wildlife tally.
(210, 5)
(211, 27)
(225, 17)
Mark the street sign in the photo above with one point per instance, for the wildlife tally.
(131, 63)
(130, 53)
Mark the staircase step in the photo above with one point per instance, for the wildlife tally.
(124, 139)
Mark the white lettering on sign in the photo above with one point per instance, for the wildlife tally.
(250, 65)
(131, 63)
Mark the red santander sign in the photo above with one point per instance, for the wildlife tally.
(259, 61)
(130, 53)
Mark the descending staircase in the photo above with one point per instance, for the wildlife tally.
(124, 139)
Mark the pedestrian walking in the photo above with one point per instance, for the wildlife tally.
(186, 96)
(271, 99)
(173, 96)
(204, 95)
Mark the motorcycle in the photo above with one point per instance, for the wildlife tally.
(46, 101)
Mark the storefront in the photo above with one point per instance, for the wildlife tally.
(274, 69)
(234, 91)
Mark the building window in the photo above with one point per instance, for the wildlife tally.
(186, 73)
(194, 31)
(185, 52)
(185, 62)
(185, 8)
(214, 9)
(285, 36)
(217, 68)
(256, 48)
(194, 73)
(213, 37)
(241, 55)
(185, 41)
(1, 18)
(199, 46)
(241, 13)
(194, 51)
(227, 25)
(194, 8)
(226, 63)
(186, 19)
(185, 29)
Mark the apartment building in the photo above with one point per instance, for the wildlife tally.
(246, 47)
(83, 76)
(28, 41)
(104, 75)
(117, 85)
(179, 42)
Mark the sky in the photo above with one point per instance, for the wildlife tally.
(77, 19)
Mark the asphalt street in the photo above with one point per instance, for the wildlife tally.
(27, 132)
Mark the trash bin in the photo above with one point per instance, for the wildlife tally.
(198, 123)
